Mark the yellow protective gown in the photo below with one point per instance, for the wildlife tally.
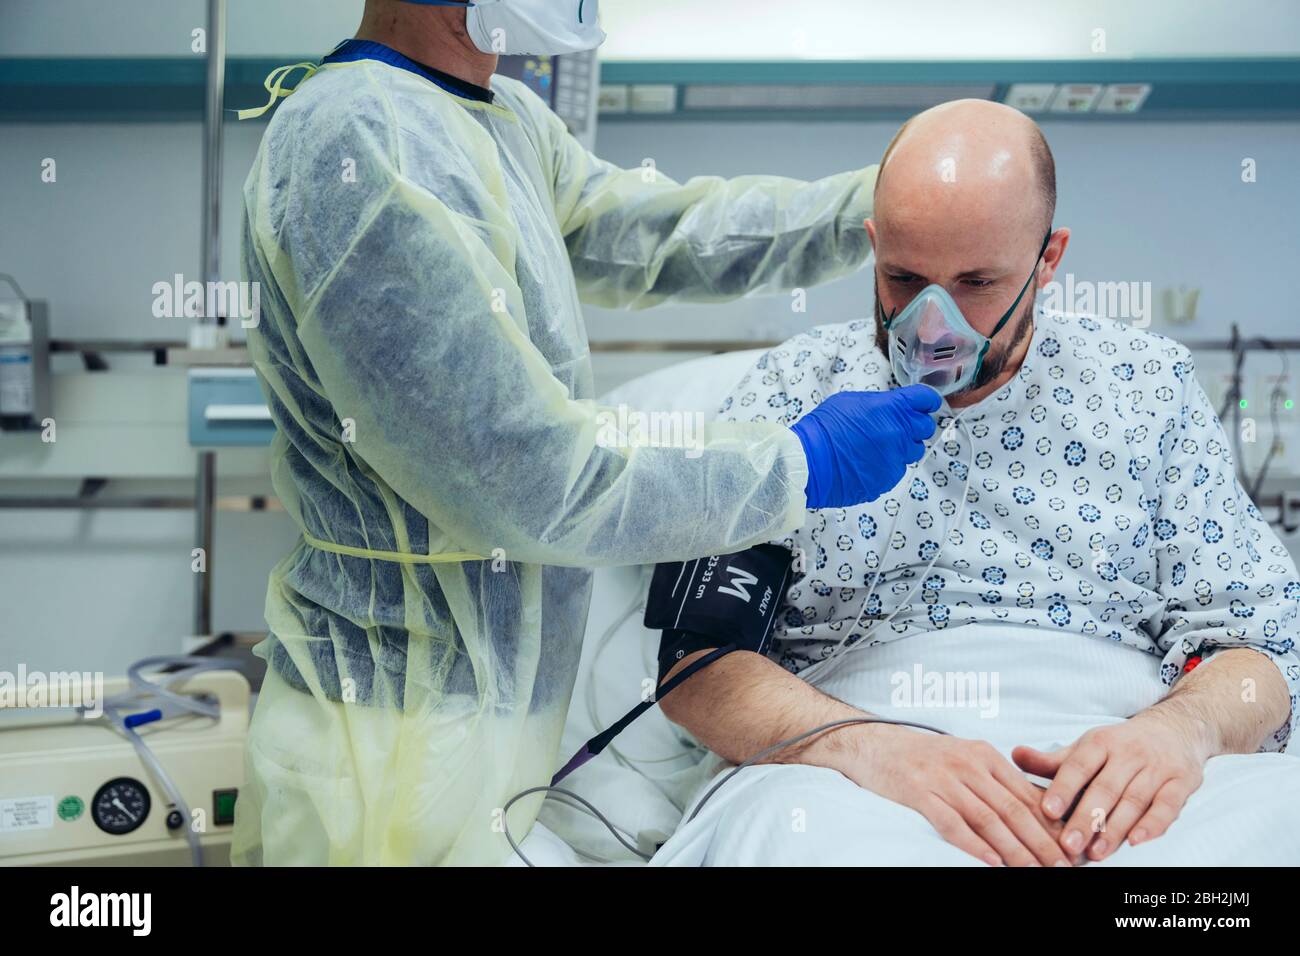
(421, 259)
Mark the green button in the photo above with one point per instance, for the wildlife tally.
(223, 807)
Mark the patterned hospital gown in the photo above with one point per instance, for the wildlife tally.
(1102, 501)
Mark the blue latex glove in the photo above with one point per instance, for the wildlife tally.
(858, 444)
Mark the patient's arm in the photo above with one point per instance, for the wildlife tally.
(744, 703)
(1238, 698)
(976, 800)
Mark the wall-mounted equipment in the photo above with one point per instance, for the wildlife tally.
(1123, 97)
(24, 361)
(653, 98)
(1076, 98)
(568, 84)
(614, 98)
(1030, 97)
(1093, 90)
(227, 408)
(761, 99)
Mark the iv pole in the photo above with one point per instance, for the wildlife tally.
(210, 254)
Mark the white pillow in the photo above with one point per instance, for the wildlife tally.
(614, 683)
(697, 385)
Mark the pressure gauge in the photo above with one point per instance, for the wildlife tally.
(120, 806)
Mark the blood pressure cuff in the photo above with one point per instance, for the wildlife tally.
(717, 601)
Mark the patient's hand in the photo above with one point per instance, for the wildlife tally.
(1137, 776)
(972, 795)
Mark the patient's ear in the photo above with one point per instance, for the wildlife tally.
(871, 232)
(1053, 255)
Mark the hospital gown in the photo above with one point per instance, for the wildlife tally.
(422, 260)
(1104, 543)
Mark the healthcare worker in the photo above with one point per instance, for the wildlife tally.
(423, 233)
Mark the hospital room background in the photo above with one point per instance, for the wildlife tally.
(1175, 126)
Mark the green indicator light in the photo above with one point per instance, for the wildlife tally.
(1243, 403)
(1288, 404)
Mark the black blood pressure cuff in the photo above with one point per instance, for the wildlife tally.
(723, 600)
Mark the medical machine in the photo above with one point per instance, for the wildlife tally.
(143, 770)
(227, 408)
(568, 84)
(24, 361)
(720, 603)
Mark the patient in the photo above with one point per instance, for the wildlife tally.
(1125, 612)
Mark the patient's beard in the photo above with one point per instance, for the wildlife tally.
(1005, 344)
(996, 362)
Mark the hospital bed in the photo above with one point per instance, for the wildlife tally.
(643, 780)
(644, 789)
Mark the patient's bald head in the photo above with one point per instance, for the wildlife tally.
(971, 152)
(964, 196)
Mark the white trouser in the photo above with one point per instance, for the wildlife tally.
(1041, 689)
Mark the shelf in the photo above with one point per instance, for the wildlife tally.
(108, 89)
(1261, 88)
(111, 89)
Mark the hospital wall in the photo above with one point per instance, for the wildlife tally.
(1162, 203)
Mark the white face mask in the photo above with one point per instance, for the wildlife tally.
(544, 27)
